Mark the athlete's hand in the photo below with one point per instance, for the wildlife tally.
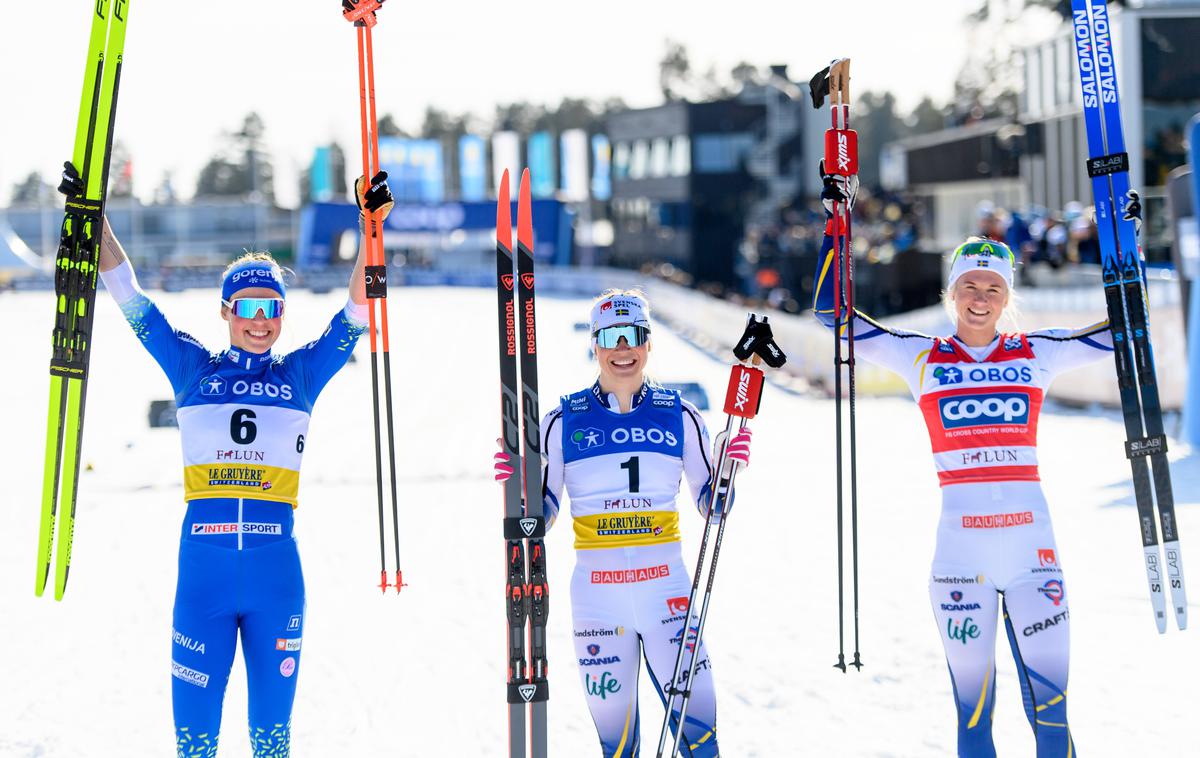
(737, 451)
(838, 189)
(500, 463)
(71, 184)
(374, 198)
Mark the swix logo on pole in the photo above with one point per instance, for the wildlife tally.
(841, 151)
(744, 392)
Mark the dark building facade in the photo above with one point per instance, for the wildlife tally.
(684, 183)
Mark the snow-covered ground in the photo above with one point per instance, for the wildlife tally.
(421, 674)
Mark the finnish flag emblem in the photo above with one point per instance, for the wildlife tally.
(527, 526)
(527, 691)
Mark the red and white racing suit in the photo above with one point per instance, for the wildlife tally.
(995, 539)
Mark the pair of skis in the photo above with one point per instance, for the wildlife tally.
(841, 159)
(362, 14)
(76, 269)
(742, 399)
(1125, 299)
(526, 589)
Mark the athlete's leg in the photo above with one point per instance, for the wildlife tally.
(661, 635)
(202, 647)
(609, 659)
(965, 611)
(1038, 624)
(272, 623)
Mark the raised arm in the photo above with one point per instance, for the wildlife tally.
(376, 200)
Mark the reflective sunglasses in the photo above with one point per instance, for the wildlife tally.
(984, 248)
(610, 336)
(249, 307)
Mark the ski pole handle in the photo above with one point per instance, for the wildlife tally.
(362, 12)
(744, 393)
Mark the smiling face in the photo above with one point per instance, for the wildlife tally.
(979, 301)
(622, 365)
(255, 335)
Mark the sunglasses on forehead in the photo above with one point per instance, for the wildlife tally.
(610, 336)
(249, 307)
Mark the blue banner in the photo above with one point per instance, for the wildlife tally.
(414, 166)
(472, 168)
(601, 167)
(320, 176)
(542, 177)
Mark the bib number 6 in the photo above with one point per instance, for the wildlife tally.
(241, 426)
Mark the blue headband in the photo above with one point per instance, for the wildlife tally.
(252, 274)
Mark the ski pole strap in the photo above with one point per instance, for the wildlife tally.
(361, 12)
(758, 340)
(1144, 446)
(1107, 164)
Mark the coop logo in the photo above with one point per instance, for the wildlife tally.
(983, 410)
(213, 386)
(947, 375)
(1054, 592)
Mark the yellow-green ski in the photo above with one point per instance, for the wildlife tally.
(76, 269)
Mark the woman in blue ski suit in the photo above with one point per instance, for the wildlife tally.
(243, 414)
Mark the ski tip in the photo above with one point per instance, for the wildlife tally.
(525, 213)
(503, 213)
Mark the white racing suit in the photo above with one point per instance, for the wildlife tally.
(629, 593)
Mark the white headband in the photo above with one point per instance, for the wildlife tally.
(986, 255)
(619, 309)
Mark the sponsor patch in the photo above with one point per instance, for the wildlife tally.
(960, 411)
(631, 576)
(1053, 591)
(191, 676)
(287, 667)
(290, 645)
(997, 520)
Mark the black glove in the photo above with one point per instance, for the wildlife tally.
(758, 339)
(836, 188)
(71, 184)
(376, 198)
(1133, 209)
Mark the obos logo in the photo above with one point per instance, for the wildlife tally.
(947, 375)
(213, 386)
(585, 439)
(983, 410)
(653, 435)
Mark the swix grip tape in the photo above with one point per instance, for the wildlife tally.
(744, 394)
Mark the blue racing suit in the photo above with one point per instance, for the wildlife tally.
(242, 419)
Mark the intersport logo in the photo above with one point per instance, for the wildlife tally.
(984, 410)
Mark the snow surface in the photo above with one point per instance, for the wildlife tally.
(421, 674)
